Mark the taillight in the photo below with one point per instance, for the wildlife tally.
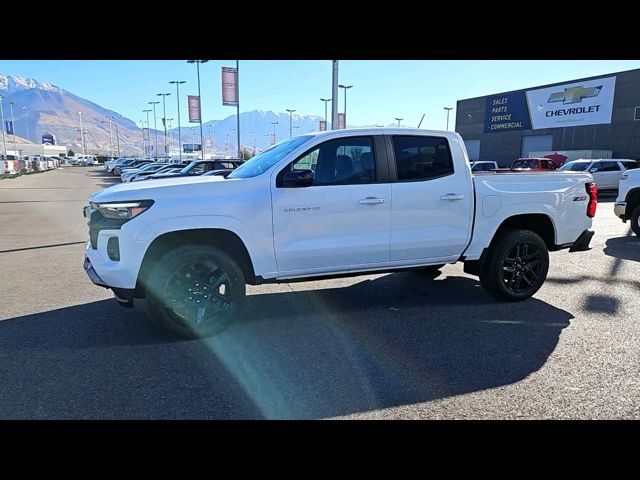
(592, 190)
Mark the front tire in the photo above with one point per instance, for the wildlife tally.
(195, 290)
(516, 266)
(635, 221)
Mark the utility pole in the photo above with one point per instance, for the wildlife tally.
(198, 62)
(238, 106)
(334, 96)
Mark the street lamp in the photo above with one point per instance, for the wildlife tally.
(274, 131)
(147, 112)
(13, 129)
(155, 126)
(398, 119)
(232, 132)
(345, 87)
(148, 148)
(198, 62)
(164, 115)
(448, 109)
(117, 138)
(290, 121)
(212, 129)
(193, 139)
(177, 84)
(111, 136)
(81, 130)
(169, 120)
(325, 100)
(4, 140)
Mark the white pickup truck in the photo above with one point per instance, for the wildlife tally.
(627, 205)
(335, 203)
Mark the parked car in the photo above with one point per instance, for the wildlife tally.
(119, 170)
(198, 167)
(330, 203)
(218, 173)
(148, 168)
(116, 169)
(606, 172)
(483, 166)
(8, 168)
(168, 169)
(627, 205)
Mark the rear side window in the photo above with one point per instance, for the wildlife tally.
(608, 167)
(422, 158)
(630, 165)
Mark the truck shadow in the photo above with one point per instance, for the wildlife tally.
(624, 248)
(392, 341)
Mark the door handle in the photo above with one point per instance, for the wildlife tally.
(452, 196)
(371, 201)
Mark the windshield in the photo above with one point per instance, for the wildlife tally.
(524, 164)
(575, 166)
(267, 159)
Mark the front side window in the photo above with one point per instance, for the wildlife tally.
(422, 158)
(267, 159)
(345, 161)
(630, 165)
(608, 167)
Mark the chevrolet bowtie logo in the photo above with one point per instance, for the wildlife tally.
(574, 94)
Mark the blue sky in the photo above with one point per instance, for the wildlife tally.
(382, 90)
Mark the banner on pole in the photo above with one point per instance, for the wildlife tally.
(323, 126)
(79, 136)
(145, 134)
(341, 121)
(8, 127)
(193, 101)
(273, 139)
(229, 87)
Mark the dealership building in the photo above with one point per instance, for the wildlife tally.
(595, 117)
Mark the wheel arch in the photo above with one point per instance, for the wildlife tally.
(536, 222)
(633, 200)
(223, 239)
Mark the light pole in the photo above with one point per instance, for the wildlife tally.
(198, 62)
(325, 100)
(110, 136)
(13, 129)
(290, 121)
(253, 142)
(345, 87)
(169, 120)
(274, 131)
(193, 139)
(26, 120)
(448, 109)
(155, 126)
(164, 120)
(232, 132)
(177, 84)
(81, 133)
(4, 140)
(118, 139)
(398, 119)
(334, 95)
(147, 110)
(212, 127)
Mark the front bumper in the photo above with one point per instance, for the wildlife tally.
(583, 241)
(91, 273)
(620, 209)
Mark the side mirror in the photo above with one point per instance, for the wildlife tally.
(297, 179)
(593, 170)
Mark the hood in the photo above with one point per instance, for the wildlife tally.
(148, 190)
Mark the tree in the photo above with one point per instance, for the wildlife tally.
(70, 153)
(246, 154)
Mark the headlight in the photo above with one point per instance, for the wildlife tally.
(122, 210)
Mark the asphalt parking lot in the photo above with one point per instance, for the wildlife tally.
(390, 346)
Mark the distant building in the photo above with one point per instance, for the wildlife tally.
(595, 117)
(35, 149)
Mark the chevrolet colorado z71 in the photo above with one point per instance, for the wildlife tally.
(334, 203)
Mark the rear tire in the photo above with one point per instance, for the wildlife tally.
(635, 221)
(195, 290)
(516, 266)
